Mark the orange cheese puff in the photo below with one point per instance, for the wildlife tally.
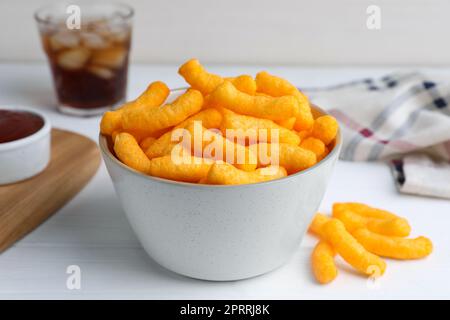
(295, 158)
(206, 102)
(198, 78)
(394, 247)
(203, 180)
(147, 142)
(209, 118)
(275, 86)
(350, 249)
(304, 134)
(317, 224)
(316, 114)
(291, 157)
(114, 134)
(128, 151)
(392, 227)
(305, 119)
(169, 115)
(209, 103)
(287, 123)
(278, 87)
(396, 227)
(351, 220)
(261, 129)
(363, 210)
(158, 133)
(325, 128)
(216, 147)
(111, 121)
(227, 96)
(155, 95)
(322, 262)
(137, 134)
(161, 147)
(244, 83)
(323, 155)
(313, 144)
(192, 170)
(225, 173)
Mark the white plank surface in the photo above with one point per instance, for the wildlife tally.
(91, 231)
(301, 32)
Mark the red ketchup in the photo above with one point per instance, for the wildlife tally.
(15, 125)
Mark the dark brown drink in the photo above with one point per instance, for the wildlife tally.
(89, 64)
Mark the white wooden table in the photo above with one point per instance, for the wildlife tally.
(92, 232)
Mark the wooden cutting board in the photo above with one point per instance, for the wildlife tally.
(25, 205)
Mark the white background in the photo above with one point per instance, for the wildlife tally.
(301, 32)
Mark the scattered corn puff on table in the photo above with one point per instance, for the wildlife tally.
(92, 232)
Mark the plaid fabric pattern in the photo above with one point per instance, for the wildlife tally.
(395, 115)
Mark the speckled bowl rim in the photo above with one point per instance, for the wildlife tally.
(103, 143)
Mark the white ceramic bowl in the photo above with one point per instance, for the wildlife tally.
(216, 232)
(24, 158)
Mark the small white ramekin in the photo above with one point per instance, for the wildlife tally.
(24, 158)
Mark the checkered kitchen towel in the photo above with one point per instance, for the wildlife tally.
(403, 118)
